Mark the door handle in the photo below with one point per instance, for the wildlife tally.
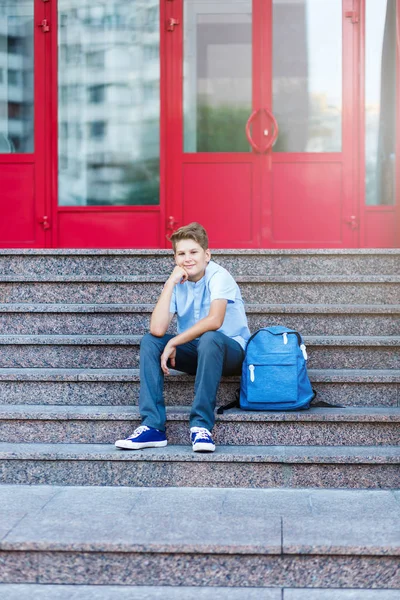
(353, 222)
(44, 221)
(252, 143)
(171, 222)
(271, 140)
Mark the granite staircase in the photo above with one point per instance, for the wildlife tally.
(70, 328)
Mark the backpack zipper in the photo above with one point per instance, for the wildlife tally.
(251, 369)
(288, 333)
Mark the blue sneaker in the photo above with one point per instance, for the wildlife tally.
(143, 437)
(201, 440)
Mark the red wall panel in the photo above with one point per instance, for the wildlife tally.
(307, 204)
(18, 221)
(118, 229)
(220, 197)
(380, 228)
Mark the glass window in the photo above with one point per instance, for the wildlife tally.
(380, 102)
(108, 102)
(16, 76)
(307, 75)
(13, 77)
(217, 75)
(97, 129)
(97, 94)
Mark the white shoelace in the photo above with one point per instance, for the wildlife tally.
(201, 433)
(138, 431)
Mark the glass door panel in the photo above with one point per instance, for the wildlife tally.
(380, 102)
(108, 103)
(307, 186)
(307, 75)
(16, 76)
(217, 75)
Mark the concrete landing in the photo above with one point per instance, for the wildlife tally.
(202, 520)
(105, 592)
(200, 537)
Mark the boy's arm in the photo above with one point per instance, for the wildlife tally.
(211, 322)
(161, 316)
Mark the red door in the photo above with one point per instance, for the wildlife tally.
(264, 129)
(24, 220)
(107, 185)
(308, 79)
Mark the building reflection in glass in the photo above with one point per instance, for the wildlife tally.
(380, 102)
(16, 77)
(108, 102)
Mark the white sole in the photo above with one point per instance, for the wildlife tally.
(128, 445)
(202, 447)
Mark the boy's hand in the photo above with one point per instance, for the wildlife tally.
(169, 353)
(178, 275)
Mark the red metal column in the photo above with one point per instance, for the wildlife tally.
(397, 211)
(172, 114)
(352, 215)
(52, 107)
(266, 161)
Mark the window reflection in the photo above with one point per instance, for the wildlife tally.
(380, 102)
(307, 75)
(217, 75)
(16, 76)
(108, 102)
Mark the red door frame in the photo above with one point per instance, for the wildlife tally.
(262, 96)
(379, 222)
(174, 125)
(25, 162)
(95, 214)
(171, 130)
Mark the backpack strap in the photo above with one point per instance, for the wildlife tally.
(319, 404)
(323, 404)
(234, 404)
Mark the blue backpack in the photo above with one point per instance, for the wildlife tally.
(274, 372)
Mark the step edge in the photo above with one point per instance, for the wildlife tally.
(220, 251)
(134, 340)
(256, 308)
(268, 279)
(368, 455)
(37, 412)
(131, 375)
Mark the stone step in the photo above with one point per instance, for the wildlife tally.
(120, 387)
(32, 591)
(272, 289)
(201, 537)
(357, 467)
(122, 351)
(238, 262)
(104, 424)
(118, 319)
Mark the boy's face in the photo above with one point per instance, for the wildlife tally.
(190, 256)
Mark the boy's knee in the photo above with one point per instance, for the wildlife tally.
(210, 339)
(149, 341)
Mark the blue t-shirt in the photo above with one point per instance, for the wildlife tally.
(191, 301)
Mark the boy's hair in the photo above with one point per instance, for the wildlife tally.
(193, 231)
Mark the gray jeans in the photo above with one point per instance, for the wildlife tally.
(211, 356)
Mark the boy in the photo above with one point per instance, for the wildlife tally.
(212, 334)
